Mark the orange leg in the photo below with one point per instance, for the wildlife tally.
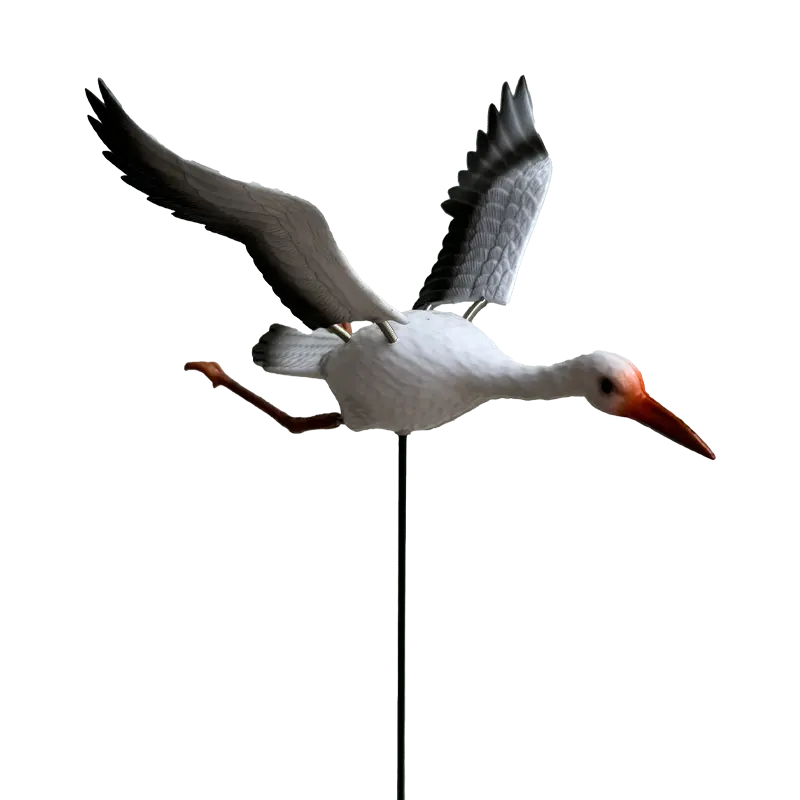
(214, 373)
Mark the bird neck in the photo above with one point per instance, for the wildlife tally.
(524, 382)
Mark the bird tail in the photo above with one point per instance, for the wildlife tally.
(286, 351)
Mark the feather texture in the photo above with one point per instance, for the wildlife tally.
(286, 351)
(287, 237)
(439, 369)
(494, 208)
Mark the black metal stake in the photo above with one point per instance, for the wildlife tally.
(401, 617)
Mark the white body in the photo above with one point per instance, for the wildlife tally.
(435, 372)
(441, 367)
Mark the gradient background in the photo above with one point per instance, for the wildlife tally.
(620, 621)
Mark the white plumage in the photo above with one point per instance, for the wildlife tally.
(441, 367)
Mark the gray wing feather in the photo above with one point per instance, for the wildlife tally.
(499, 237)
(494, 208)
(287, 237)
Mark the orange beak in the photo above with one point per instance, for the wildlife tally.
(652, 414)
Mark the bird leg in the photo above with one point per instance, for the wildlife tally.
(214, 373)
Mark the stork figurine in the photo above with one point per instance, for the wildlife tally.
(436, 365)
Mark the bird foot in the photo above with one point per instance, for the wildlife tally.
(210, 369)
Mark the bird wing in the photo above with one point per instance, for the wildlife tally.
(287, 237)
(494, 208)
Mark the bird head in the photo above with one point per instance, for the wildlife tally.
(615, 386)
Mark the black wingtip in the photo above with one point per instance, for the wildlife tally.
(108, 95)
(491, 125)
(95, 103)
(505, 96)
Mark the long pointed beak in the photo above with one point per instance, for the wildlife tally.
(652, 414)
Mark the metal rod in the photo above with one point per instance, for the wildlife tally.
(401, 616)
(473, 310)
(388, 332)
(340, 332)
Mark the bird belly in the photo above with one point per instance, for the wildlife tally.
(429, 377)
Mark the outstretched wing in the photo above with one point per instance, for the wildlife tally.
(494, 208)
(287, 237)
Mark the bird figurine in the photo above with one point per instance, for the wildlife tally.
(409, 371)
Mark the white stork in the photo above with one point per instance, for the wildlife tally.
(438, 365)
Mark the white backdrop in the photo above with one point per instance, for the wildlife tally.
(149, 646)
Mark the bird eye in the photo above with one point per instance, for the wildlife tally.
(606, 386)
